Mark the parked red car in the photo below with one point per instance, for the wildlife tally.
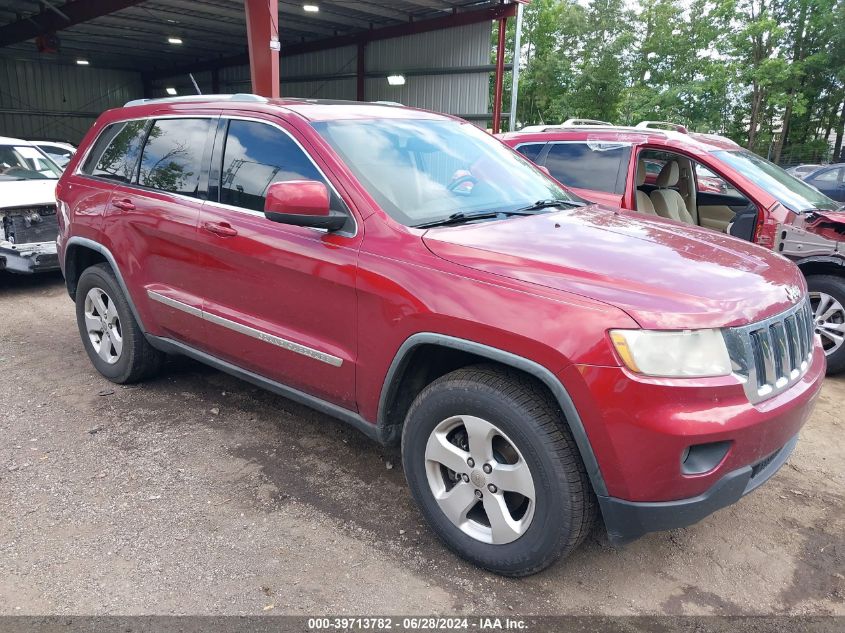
(708, 181)
(407, 273)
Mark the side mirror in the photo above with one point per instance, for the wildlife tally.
(302, 203)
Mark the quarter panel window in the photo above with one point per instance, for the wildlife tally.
(256, 156)
(115, 154)
(172, 158)
(596, 166)
(531, 151)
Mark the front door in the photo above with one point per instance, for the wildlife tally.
(279, 300)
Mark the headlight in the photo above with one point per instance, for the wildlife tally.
(688, 353)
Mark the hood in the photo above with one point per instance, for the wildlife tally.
(26, 193)
(664, 275)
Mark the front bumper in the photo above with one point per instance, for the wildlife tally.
(29, 258)
(642, 430)
(629, 520)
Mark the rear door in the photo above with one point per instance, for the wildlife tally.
(152, 223)
(595, 170)
(279, 300)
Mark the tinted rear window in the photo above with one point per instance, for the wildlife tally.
(172, 159)
(595, 166)
(115, 154)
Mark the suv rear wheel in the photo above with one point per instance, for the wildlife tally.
(495, 471)
(827, 299)
(111, 335)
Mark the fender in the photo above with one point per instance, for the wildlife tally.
(835, 261)
(105, 252)
(559, 392)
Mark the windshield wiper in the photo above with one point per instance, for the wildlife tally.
(460, 217)
(551, 202)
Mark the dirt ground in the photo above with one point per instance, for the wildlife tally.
(196, 493)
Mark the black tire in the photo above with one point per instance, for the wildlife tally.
(138, 359)
(565, 507)
(835, 287)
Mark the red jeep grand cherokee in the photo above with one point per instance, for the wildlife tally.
(706, 180)
(538, 359)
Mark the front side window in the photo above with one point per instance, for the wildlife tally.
(115, 155)
(24, 162)
(598, 166)
(423, 171)
(256, 156)
(792, 193)
(172, 158)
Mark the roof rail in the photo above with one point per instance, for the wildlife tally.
(188, 98)
(577, 122)
(677, 127)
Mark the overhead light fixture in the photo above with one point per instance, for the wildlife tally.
(396, 80)
(174, 40)
(171, 91)
(82, 62)
(310, 8)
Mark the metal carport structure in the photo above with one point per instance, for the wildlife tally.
(346, 50)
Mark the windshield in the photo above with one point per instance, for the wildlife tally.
(24, 162)
(789, 191)
(423, 171)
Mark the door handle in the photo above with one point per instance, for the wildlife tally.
(223, 229)
(123, 205)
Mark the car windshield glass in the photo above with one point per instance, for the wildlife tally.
(24, 162)
(789, 191)
(424, 171)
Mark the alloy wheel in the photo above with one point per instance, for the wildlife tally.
(480, 480)
(828, 320)
(103, 325)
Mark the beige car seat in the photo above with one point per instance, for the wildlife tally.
(667, 202)
(644, 204)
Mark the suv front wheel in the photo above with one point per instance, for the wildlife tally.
(495, 471)
(827, 299)
(111, 335)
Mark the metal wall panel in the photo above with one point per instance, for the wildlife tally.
(331, 73)
(40, 99)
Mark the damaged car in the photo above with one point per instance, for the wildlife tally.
(662, 169)
(28, 226)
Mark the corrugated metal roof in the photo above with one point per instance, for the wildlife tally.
(135, 38)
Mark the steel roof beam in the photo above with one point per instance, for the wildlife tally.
(47, 21)
(400, 30)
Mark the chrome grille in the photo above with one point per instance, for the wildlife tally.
(774, 354)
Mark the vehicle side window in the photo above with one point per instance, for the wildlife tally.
(172, 158)
(829, 176)
(115, 154)
(257, 155)
(531, 151)
(596, 166)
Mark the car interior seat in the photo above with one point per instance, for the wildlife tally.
(667, 202)
(644, 204)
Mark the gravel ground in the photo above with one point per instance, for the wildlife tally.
(196, 493)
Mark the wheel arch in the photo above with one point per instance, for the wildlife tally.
(822, 266)
(82, 253)
(411, 370)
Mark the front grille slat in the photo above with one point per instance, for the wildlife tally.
(774, 353)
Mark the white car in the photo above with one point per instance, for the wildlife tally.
(28, 226)
(58, 151)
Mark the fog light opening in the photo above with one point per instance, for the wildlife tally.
(702, 458)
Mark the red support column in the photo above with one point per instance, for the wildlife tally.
(262, 30)
(500, 76)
